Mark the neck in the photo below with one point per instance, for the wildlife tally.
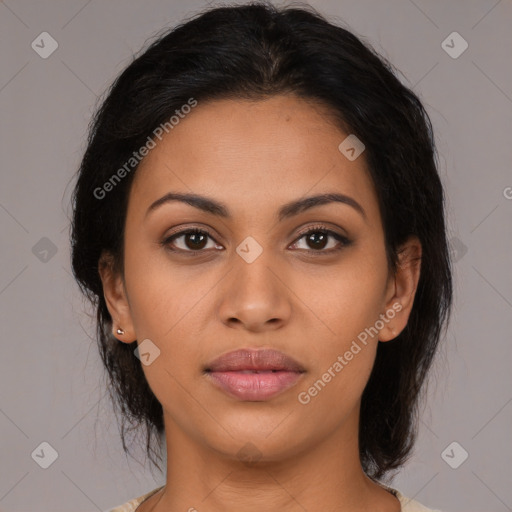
(326, 476)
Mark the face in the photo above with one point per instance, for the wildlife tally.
(309, 281)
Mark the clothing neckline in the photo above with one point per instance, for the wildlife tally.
(145, 497)
(403, 500)
(394, 492)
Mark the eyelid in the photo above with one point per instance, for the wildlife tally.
(180, 230)
(319, 227)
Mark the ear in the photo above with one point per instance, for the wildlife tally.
(116, 299)
(401, 289)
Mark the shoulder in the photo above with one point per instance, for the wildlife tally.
(407, 504)
(410, 505)
(131, 506)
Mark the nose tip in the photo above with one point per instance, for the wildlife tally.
(254, 297)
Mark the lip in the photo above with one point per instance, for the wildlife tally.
(254, 374)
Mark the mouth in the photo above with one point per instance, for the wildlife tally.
(254, 375)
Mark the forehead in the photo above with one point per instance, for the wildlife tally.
(253, 154)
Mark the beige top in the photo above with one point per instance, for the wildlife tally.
(407, 505)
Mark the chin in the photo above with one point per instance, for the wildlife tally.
(253, 443)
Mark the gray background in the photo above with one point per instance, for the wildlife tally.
(50, 373)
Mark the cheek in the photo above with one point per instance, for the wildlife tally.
(347, 302)
(168, 306)
(168, 317)
(347, 307)
(159, 295)
(335, 393)
(171, 319)
(342, 358)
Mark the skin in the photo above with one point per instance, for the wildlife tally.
(255, 156)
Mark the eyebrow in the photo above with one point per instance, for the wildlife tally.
(286, 211)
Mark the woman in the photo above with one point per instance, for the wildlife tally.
(258, 220)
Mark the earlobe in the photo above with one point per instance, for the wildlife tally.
(116, 299)
(405, 283)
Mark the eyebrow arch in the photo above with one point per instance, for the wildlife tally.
(288, 210)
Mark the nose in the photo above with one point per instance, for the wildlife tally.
(255, 296)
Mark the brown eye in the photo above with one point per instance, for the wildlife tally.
(193, 240)
(317, 239)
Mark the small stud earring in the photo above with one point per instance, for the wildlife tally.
(120, 331)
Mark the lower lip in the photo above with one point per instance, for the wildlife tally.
(254, 386)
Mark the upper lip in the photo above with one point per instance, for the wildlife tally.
(254, 359)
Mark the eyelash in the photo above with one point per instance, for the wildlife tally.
(314, 229)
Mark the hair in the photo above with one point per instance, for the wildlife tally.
(256, 51)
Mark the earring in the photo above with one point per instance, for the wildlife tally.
(120, 331)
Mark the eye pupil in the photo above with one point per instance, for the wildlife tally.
(318, 238)
(197, 238)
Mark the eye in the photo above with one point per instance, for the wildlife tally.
(194, 240)
(317, 238)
